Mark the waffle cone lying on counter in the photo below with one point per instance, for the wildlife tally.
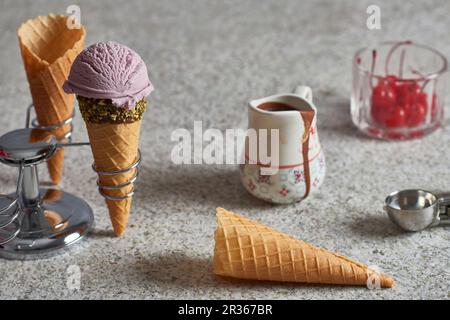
(48, 50)
(246, 249)
(111, 84)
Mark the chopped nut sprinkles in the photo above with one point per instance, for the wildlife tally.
(103, 111)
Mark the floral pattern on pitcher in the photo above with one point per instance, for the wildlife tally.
(287, 185)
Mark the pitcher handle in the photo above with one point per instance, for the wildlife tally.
(304, 92)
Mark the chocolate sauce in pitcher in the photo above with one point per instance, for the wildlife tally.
(307, 117)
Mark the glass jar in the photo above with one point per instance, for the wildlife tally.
(398, 90)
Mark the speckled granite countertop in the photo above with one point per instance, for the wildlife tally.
(206, 60)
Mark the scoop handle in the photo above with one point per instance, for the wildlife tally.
(444, 209)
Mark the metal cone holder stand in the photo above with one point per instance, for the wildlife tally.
(37, 221)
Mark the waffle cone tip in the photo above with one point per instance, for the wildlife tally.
(381, 280)
(119, 212)
(119, 230)
(387, 282)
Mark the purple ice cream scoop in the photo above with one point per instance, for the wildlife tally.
(109, 70)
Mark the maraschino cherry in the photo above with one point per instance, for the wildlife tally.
(398, 103)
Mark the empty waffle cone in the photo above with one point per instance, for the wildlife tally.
(248, 250)
(115, 147)
(48, 49)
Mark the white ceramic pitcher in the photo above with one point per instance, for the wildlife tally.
(301, 163)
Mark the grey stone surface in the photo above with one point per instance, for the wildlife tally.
(206, 60)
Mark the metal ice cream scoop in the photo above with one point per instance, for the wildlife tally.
(416, 209)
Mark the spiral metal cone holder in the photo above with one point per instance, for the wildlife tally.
(36, 221)
(10, 213)
(35, 125)
(102, 187)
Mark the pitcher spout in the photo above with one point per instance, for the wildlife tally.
(300, 100)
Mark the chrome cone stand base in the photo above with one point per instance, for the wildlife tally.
(57, 221)
(37, 222)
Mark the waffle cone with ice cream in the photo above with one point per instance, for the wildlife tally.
(246, 249)
(48, 50)
(111, 84)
